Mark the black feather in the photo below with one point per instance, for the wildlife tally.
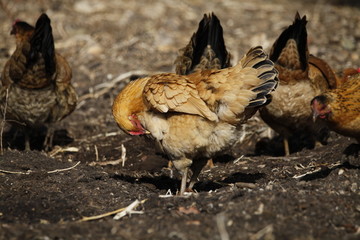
(296, 31)
(209, 33)
(265, 88)
(257, 102)
(264, 63)
(267, 73)
(42, 42)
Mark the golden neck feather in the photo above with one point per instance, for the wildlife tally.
(128, 102)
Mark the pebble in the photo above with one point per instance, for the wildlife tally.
(354, 187)
(95, 50)
(89, 7)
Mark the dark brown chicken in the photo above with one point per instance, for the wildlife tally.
(301, 77)
(35, 88)
(198, 115)
(340, 108)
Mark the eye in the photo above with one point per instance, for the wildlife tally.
(322, 108)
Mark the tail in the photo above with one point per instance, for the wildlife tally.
(206, 49)
(42, 42)
(298, 34)
(258, 59)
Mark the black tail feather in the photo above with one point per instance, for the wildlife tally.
(259, 60)
(263, 91)
(208, 35)
(296, 31)
(42, 42)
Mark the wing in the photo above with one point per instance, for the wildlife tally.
(175, 93)
(326, 71)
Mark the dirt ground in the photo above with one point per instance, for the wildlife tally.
(251, 193)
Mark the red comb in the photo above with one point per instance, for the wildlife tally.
(358, 70)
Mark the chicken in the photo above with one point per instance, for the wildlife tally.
(205, 50)
(340, 108)
(198, 115)
(35, 88)
(301, 77)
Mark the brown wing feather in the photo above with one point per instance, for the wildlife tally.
(175, 93)
(327, 72)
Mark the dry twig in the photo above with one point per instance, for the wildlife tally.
(96, 154)
(220, 222)
(64, 169)
(265, 233)
(167, 194)
(129, 210)
(112, 162)
(123, 211)
(59, 149)
(49, 172)
(123, 154)
(316, 169)
(104, 163)
(13, 172)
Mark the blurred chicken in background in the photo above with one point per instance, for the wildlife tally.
(35, 88)
(340, 108)
(301, 77)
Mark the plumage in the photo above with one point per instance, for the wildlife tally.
(36, 81)
(301, 77)
(207, 122)
(205, 50)
(340, 108)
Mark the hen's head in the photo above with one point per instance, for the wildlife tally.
(127, 106)
(22, 29)
(320, 107)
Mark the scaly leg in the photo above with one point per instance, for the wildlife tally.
(286, 146)
(27, 140)
(48, 142)
(182, 165)
(184, 174)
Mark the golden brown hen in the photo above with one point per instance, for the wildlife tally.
(301, 77)
(198, 115)
(205, 50)
(340, 108)
(35, 88)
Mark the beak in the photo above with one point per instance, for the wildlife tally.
(13, 31)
